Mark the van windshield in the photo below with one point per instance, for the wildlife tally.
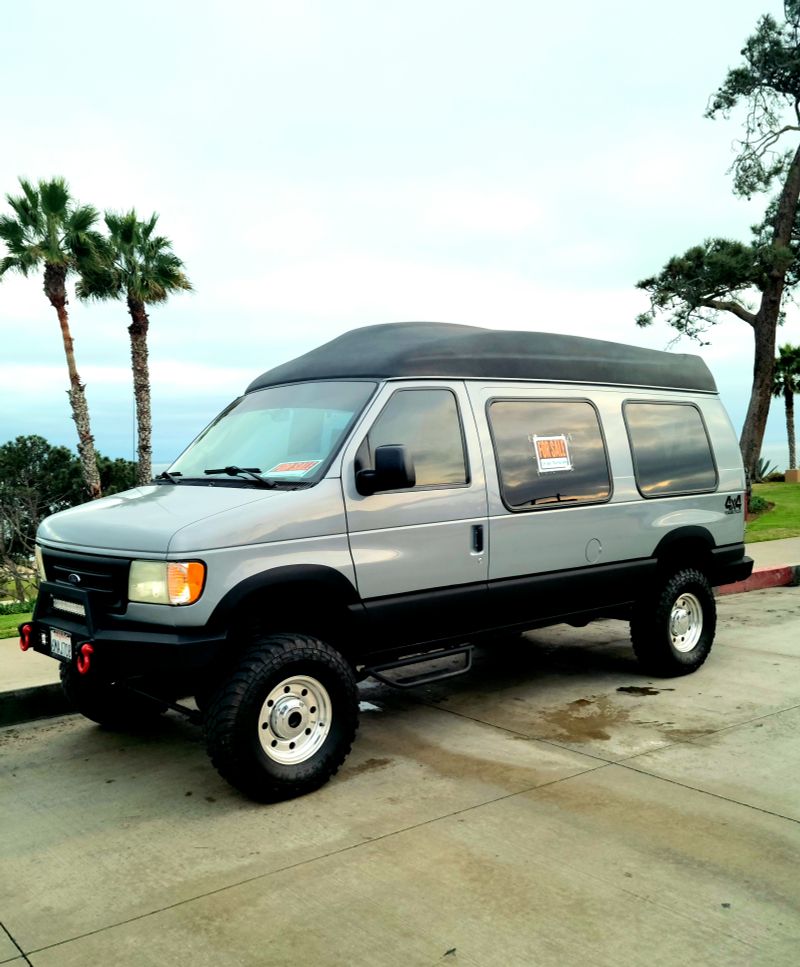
(282, 433)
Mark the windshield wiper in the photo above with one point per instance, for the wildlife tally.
(166, 475)
(254, 473)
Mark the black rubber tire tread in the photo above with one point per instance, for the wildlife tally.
(107, 704)
(229, 720)
(650, 635)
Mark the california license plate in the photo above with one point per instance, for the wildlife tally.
(61, 644)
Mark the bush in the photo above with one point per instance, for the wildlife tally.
(776, 477)
(757, 505)
(763, 470)
(18, 607)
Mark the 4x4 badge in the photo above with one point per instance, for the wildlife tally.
(733, 505)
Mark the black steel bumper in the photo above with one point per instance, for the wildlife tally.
(120, 648)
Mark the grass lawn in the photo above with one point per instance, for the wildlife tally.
(784, 518)
(9, 622)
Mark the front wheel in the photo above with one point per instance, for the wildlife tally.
(672, 629)
(284, 721)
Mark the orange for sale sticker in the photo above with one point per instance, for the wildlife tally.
(294, 468)
(552, 453)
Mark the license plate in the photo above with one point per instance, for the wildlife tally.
(61, 644)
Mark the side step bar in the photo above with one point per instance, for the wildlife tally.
(376, 671)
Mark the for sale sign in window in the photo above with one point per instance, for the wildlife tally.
(552, 453)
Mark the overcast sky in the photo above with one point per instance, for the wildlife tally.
(327, 165)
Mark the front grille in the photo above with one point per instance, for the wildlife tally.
(105, 579)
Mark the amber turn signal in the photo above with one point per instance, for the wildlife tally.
(185, 581)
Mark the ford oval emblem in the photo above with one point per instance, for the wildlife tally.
(74, 578)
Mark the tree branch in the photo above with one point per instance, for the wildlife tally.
(728, 306)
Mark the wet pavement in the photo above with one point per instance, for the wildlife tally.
(552, 807)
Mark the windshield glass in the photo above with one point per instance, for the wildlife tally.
(282, 432)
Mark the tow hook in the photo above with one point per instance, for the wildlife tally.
(84, 661)
(25, 636)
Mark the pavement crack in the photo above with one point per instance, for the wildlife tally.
(706, 792)
(562, 747)
(314, 859)
(8, 933)
(707, 735)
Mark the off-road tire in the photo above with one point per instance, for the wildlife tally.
(656, 624)
(110, 705)
(237, 733)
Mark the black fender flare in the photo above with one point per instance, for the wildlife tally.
(688, 535)
(313, 579)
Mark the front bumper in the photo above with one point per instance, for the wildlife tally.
(120, 648)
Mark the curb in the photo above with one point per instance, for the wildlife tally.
(47, 701)
(765, 577)
(37, 702)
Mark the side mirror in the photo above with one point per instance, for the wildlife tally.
(394, 470)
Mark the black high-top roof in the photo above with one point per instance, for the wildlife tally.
(419, 349)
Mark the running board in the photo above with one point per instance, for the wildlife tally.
(194, 715)
(376, 671)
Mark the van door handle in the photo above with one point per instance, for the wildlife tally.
(477, 538)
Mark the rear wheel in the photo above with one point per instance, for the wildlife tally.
(285, 720)
(106, 703)
(672, 629)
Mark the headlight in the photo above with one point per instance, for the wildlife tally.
(40, 563)
(166, 582)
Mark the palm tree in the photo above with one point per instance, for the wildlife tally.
(141, 267)
(786, 383)
(49, 228)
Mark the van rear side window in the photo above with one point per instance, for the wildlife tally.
(549, 453)
(670, 448)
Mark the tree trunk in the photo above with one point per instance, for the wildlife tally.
(755, 421)
(788, 398)
(56, 292)
(141, 389)
(766, 324)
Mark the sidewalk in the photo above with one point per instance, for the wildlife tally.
(29, 682)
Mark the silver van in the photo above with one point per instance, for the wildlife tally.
(385, 500)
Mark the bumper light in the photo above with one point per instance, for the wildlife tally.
(69, 607)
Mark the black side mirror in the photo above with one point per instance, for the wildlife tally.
(394, 470)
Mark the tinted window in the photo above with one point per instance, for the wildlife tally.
(427, 423)
(549, 452)
(671, 452)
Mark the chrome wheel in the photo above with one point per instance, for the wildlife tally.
(686, 622)
(295, 720)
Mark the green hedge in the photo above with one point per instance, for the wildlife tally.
(18, 607)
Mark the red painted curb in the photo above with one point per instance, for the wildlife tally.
(765, 577)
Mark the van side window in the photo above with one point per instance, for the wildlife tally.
(549, 453)
(670, 447)
(426, 421)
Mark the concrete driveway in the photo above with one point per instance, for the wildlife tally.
(553, 807)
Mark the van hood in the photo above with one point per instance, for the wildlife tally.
(159, 519)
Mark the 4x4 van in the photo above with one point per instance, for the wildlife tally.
(387, 499)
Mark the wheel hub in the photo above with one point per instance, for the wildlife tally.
(686, 622)
(680, 621)
(295, 719)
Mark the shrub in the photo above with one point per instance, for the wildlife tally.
(18, 607)
(757, 505)
(763, 469)
(775, 477)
